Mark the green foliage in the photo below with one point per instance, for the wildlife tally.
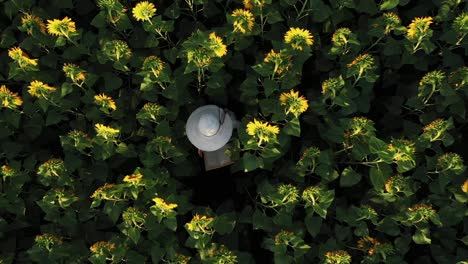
(351, 145)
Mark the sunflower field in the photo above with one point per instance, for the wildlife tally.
(351, 146)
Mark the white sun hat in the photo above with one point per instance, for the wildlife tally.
(209, 127)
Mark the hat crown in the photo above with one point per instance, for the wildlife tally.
(208, 125)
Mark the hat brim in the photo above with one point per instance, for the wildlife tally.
(203, 142)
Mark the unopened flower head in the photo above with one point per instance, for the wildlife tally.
(222, 254)
(460, 24)
(436, 129)
(289, 193)
(262, 131)
(299, 38)
(40, 89)
(368, 244)
(433, 78)
(180, 259)
(420, 213)
(294, 103)
(310, 153)
(48, 241)
(341, 36)
(450, 162)
(418, 28)
(396, 184)
(7, 171)
(64, 27)
(31, 23)
(113, 8)
(102, 248)
(311, 195)
(75, 73)
(332, 86)
(200, 57)
(200, 225)
(144, 11)
(459, 78)
(105, 102)
(362, 63)
(281, 61)
(337, 257)
(403, 149)
(360, 126)
(106, 132)
(391, 21)
(22, 59)
(152, 112)
(9, 99)
(154, 65)
(117, 50)
(78, 139)
(243, 21)
(134, 217)
(52, 168)
(284, 237)
(249, 4)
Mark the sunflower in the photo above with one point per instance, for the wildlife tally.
(243, 20)
(418, 28)
(105, 102)
(263, 131)
(464, 186)
(31, 22)
(163, 208)
(154, 65)
(20, 57)
(295, 104)
(62, 27)
(9, 99)
(144, 11)
(217, 45)
(106, 132)
(40, 89)
(133, 178)
(298, 38)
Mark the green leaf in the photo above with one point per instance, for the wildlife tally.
(53, 117)
(389, 4)
(293, 127)
(379, 176)
(66, 88)
(377, 145)
(225, 223)
(134, 234)
(270, 86)
(261, 221)
(112, 81)
(349, 177)
(313, 224)
(251, 162)
(320, 11)
(421, 236)
(170, 223)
